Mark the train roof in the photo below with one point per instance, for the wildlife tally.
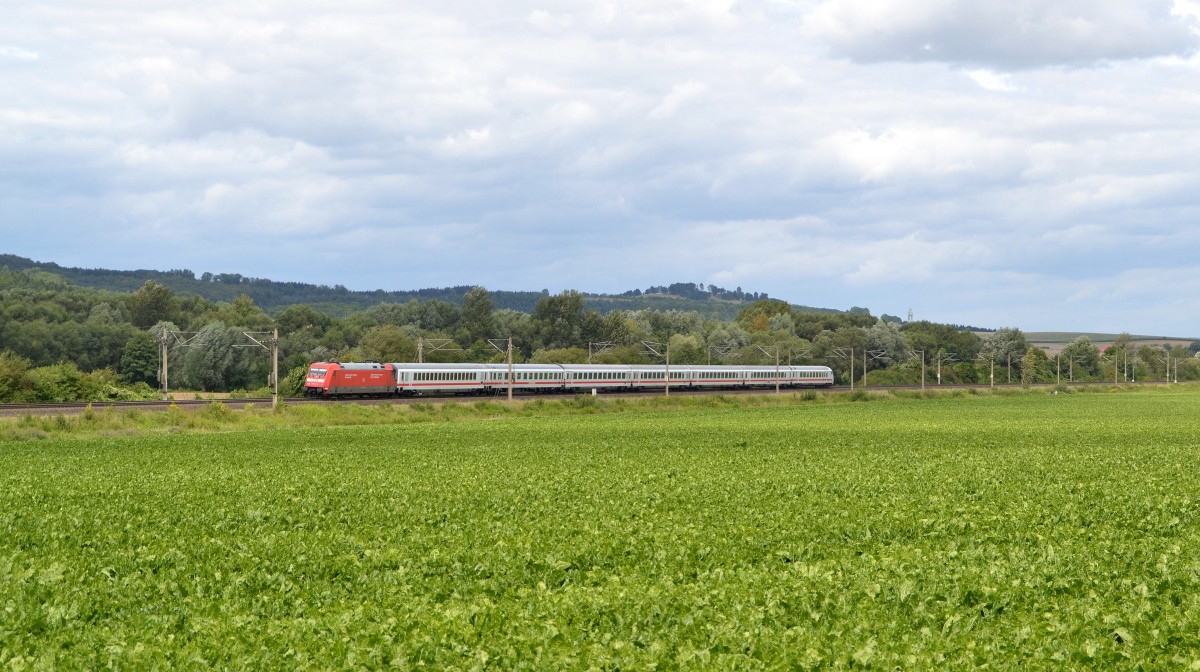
(470, 366)
(350, 366)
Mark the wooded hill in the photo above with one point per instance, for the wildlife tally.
(711, 302)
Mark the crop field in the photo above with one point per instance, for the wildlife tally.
(1026, 531)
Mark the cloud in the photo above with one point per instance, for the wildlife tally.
(16, 53)
(680, 95)
(992, 81)
(910, 152)
(668, 139)
(1011, 35)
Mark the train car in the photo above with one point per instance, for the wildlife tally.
(441, 378)
(599, 377)
(332, 379)
(687, 376)
(338, 379)
(476, 378)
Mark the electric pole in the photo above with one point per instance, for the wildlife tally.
(847, 354)
(274, 348)
(651, 350)
(507, 351)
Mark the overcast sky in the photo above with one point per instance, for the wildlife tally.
(1004, 163)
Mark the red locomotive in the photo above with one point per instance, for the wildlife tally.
(334, 379)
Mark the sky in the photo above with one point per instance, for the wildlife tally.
(1007, 163)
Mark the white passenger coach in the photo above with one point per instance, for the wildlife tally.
(487, 378)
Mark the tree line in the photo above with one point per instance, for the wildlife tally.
(61, 342)
(339, 301)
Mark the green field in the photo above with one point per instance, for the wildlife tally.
(1024, 531)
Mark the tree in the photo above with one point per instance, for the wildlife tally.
(557, 320)
(13, 384)
(477, 322)
(242, 312)
(387, 343)
(828, 344)
(140, 359)
(619, 329)
(885, 337)
(932, 339)
(1005, 346)
(299, 318)
(1121, 352)
(687, 349)
(757, 316)
(726, 334)
(782, 322)
(209, 360)
(1082, 356)
(151, 303)
(1029, 365)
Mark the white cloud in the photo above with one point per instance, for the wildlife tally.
(909, 153)
(969, 175)
(16, 53)
(680, 95)
(992, 81)
(1004, 35)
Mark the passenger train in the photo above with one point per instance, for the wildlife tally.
(358, 379)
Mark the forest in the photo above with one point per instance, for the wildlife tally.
(63, 342)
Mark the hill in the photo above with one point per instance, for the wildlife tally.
(1053, 342)
(712, 302)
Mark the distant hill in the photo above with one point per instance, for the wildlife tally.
(1053, 342)
(337, 301)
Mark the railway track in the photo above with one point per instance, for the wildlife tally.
(17, 410)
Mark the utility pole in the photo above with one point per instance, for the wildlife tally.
(507, 351)
(437, 345)
(991, 369)
(601, 348)
(1071, 367)
(873, 354)
(921, 354)
(803, 353)
(164, 351)
(776, 363)
(943, 357)
(722, 350)
(274, 348)
(164, 340)
(847, 354)
(651, 349)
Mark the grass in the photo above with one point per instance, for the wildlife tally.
(1024, 531)
(231, 415)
